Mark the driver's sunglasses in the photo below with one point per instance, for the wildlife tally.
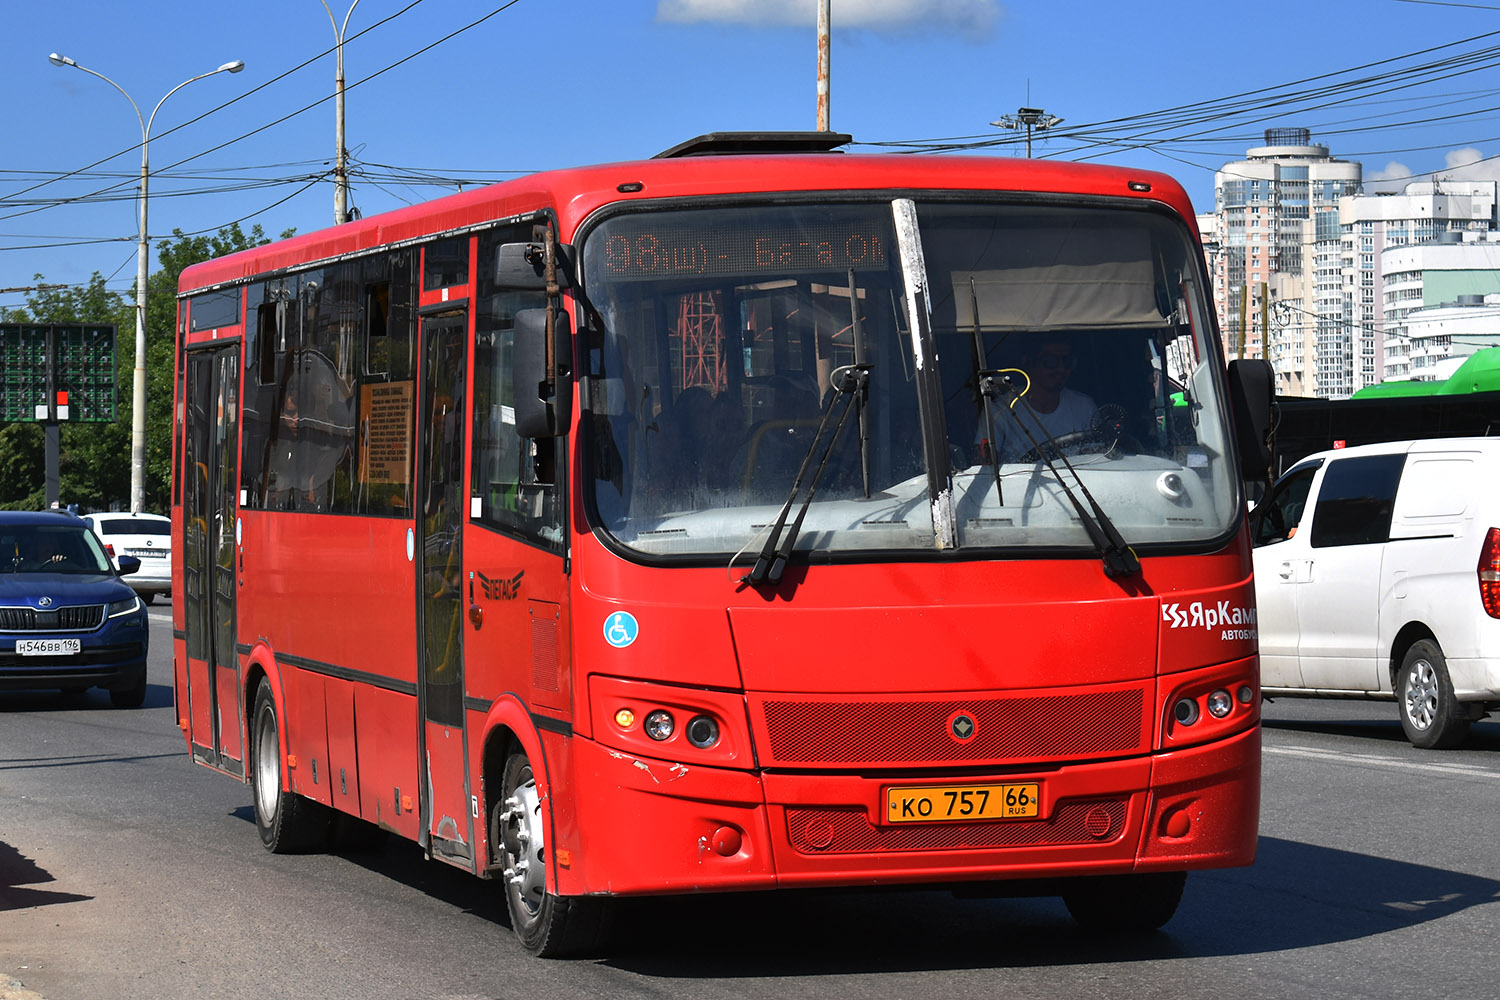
(1058, 360)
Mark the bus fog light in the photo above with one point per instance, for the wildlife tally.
(1185, 712)
(1220, 704)
(702, 732)
(659, 724)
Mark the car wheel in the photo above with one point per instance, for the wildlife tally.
(287, 822)
(1125, 902)
(1430, 713)
(547, 925)
(130, 697)
(147, 597)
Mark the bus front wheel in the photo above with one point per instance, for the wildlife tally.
(548, 925)
(287, 822)
(1125, 902)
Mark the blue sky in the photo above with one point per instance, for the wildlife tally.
(537, 84)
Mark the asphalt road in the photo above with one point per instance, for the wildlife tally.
(127, 871)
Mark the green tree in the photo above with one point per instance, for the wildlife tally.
(94, 466)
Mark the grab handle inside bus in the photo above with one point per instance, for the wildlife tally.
(543, 404)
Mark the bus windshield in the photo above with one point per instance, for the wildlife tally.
(1056, 349)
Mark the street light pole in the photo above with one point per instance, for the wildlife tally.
(1029, 119)
(341, 155)
(138, 388)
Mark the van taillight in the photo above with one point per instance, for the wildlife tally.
(1489, 573)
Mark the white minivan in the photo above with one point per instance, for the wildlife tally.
(1377, 575)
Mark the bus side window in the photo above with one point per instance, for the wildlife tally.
(510, 486)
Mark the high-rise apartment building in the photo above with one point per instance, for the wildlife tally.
(1270, 206)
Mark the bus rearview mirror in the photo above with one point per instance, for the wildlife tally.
(523, 266)
(542, 403)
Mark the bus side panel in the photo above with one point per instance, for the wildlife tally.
(334, 595)
(343, 765)
(306, 734)
(386, 723)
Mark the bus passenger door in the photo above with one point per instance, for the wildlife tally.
(210, 467)
(447, 829)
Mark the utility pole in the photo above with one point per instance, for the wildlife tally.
(341, 154)
(824, 67)
(1031, 119)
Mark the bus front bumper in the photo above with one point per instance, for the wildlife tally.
(668, 827)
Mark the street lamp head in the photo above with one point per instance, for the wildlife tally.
(232, 67)
(58, 60)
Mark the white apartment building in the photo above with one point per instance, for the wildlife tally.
(1373, 344)
(1441, 299)
(1268, 207)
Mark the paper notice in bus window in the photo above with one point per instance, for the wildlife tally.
(385, 410)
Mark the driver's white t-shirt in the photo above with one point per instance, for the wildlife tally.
(1075, 412)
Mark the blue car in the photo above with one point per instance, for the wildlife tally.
(67, 620)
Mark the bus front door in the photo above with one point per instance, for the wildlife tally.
(447, 821)
(210, 470)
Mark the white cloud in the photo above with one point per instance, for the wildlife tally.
(1466, 164)
(974, 18)
(1389, 179)
(1469, 164)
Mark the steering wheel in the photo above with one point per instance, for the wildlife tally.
(1106, 435)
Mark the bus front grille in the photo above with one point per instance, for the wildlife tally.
(902, 732)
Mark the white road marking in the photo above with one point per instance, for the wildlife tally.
(1370, 760)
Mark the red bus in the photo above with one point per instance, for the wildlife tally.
(713, 522)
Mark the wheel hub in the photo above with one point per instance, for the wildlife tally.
(267, 764)
(525, 850)
(1421, 694)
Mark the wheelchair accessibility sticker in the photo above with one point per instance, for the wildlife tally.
(620, 629)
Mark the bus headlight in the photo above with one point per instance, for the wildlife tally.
(659, 725)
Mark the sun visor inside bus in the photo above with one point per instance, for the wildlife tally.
(1061, 278)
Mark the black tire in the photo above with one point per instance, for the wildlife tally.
(548, 925)
(288, 823)
(1125, 903)
(1430, 714)
(148, 597)
(133, 696)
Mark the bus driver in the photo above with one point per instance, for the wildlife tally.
(1054, 409)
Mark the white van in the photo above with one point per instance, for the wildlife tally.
(1377, 575)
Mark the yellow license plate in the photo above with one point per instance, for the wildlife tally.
(939, 803)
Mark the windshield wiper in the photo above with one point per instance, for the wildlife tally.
(984, 381)
(850, 382)
(1119, 558)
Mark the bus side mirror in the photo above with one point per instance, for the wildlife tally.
(1252, 405)
(543, 403)
(523, 266)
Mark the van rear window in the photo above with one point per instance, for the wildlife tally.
(127, 526)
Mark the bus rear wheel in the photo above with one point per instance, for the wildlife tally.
(1125, 902)
(288, 823)
(548, 925)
